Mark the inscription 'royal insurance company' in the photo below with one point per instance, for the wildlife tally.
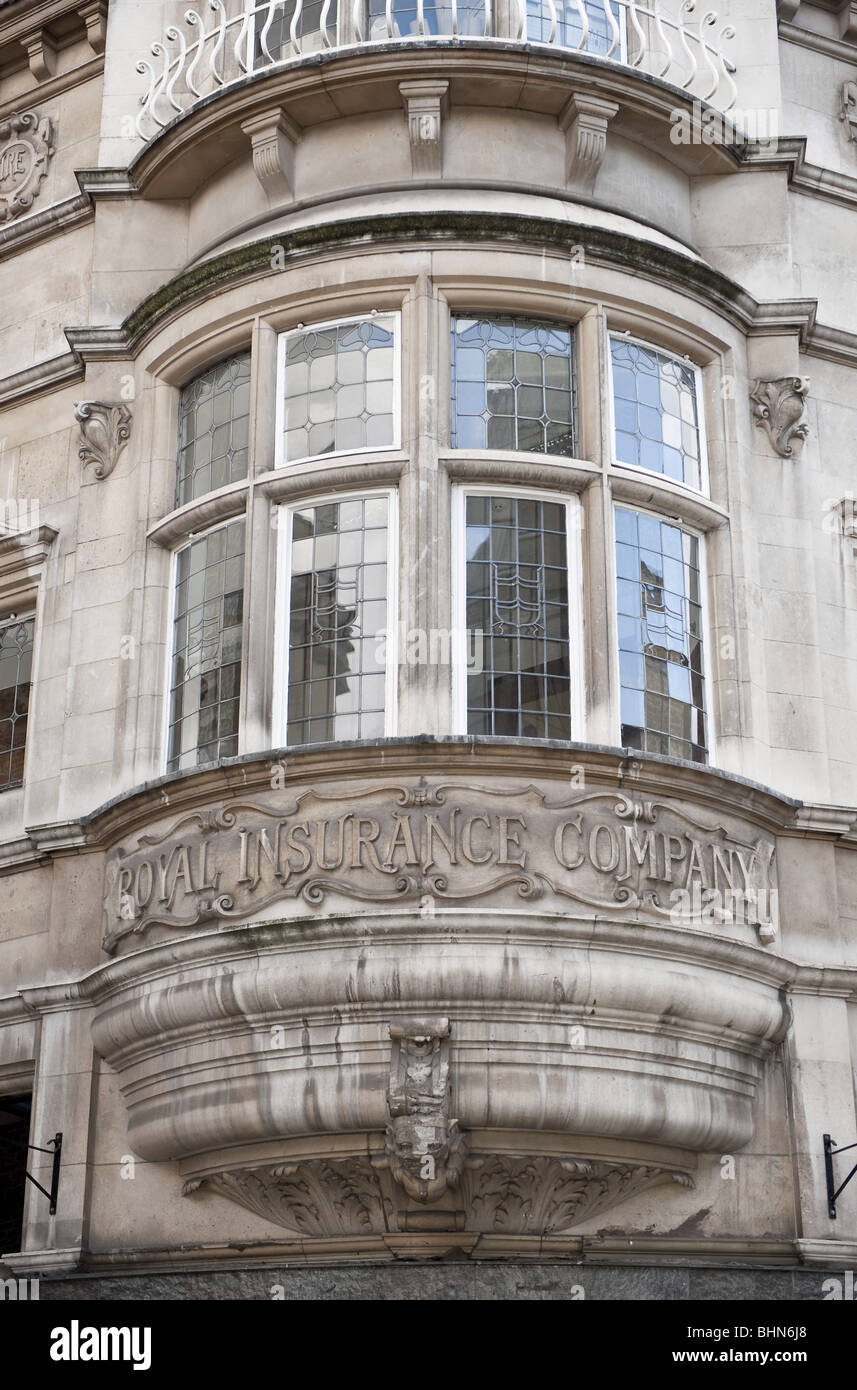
(451, 843)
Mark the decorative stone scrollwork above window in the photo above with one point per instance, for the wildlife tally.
(779, 407)
(105, 428)
(26, 145)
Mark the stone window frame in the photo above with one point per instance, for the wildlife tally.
(23, 560)
(12, 620)
(282, 610)
(574, 571)
(704, 490)
(708, 636)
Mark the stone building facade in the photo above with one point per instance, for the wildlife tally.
(428, 645)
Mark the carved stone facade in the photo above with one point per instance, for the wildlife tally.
(428, 646)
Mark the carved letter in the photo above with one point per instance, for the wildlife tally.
(510, 837)
(559, 842)
(467, 840)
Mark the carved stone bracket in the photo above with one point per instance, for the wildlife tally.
(425, 104)
(105, 427)
(510, 1194)
(41, 53)
(585, 119)
(779, 407)
(425, 1149)
(26, 145)
(94, 16)
(273, 137)
(848, 112)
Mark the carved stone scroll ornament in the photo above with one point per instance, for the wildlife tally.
(778, 408)
(425, 1149)
(26, 145)
(509, 1194)
(105, 428)
(848, 113)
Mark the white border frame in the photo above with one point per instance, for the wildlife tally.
(574, 571)
(170, 643)
(704, 490)
(24, 617)
(279, 424)
(280, 692)
(708, 668)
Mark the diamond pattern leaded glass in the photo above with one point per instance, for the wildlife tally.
(569, 29)
(656, 411)
(661, 665)
(517, 599)
(339, 389)
(338, 617)
(214, 420)
(16, 662)
(512, 386)
(206, 670)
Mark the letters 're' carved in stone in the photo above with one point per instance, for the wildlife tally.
(105, 427)
(425, 1149)
(273, 137)
(26, 145)
(779, 408)
(585, 119)
(425, 103)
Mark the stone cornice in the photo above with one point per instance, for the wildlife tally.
(841, 49)
(811, 180)
(39, 226)
(52, 375)
(54, 86)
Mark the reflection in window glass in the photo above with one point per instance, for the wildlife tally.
(517, 599)
(338, 618)
(655, 406)
(339, 389)
(512, 386)
(206, 671)
(437, 19)
(661, 664)
(16, 662)
(569, 28)
(273, 28)
(214, 419)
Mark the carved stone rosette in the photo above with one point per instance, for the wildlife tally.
(26, 145)
(105, 428)
(779, 406)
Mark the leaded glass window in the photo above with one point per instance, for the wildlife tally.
(338, 621)
(214, 423)
(661, 658)
(273, 29)
(436, 19)
(518, 616)
(206, 666)
(340, 388)
(512, 385)
(16, 664)
(569, 28)
(656, 412)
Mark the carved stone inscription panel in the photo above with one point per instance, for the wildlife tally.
(440, 845)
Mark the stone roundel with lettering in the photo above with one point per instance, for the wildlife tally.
(26, 145)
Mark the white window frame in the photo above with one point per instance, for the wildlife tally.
(285, 512)
(636, 468)
(280, 461)
(574, 571)
(8, 621)
(171, 635)
(708, 672)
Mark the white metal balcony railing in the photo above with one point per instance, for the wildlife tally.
(206, 56)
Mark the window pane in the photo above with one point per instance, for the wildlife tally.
(16, 662)
(214, 417)
(338, 606)
(273, 30)
(660, 647)
(656, 412)
(437, 20)
(569, 29)
(515, 552)
(339, 389)
(512, 386)
(206, 667)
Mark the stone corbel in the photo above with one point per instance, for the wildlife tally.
(786, 10)
(94, 16)
(425, 1149)
(105, 427)
(848, 21)
(779, 405)
(848, 112)
(585, 119)
(41, 53)
(273, 136)
(425, 106)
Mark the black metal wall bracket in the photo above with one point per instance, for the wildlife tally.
(56, 1142)
(832, 1191)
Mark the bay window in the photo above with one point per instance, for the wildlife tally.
(214, 421)
(512, 385)
(657, 413)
